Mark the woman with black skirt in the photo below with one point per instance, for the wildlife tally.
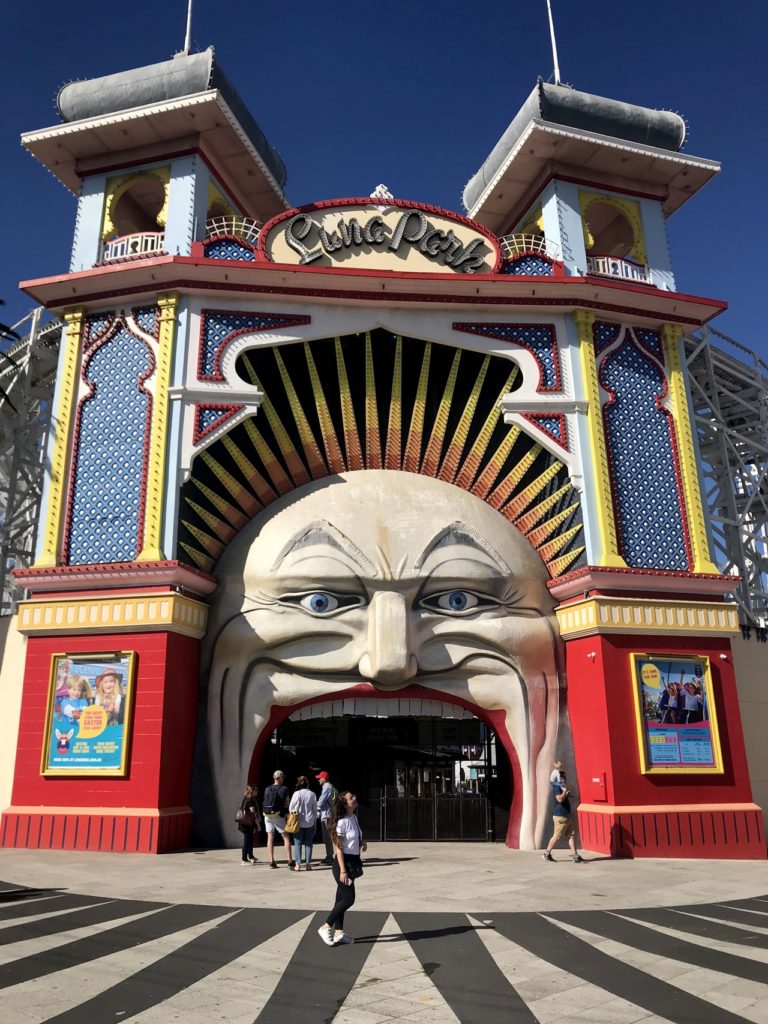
(347, 866)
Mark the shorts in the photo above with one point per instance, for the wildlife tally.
(275, 823)
(563, 826)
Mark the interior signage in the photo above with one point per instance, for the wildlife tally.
(395, 236)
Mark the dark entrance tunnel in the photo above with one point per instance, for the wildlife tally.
(419, 778)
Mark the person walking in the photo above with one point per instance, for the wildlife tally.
(274, 806)
(324, 807)
(347, 866)
(249, 823)
(304, 803)
(561, 817)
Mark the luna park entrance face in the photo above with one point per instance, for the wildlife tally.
(416, 778)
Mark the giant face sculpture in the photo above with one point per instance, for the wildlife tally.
(388, 579)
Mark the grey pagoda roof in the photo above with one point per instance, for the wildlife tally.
(561, 105)
(184, 75)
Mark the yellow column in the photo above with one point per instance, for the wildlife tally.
(153, 511)
(606, 522)
(678, 404)
(62, 428)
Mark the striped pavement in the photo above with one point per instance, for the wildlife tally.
(76, 959)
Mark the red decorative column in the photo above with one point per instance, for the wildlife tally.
(631, 806)
(153, 613)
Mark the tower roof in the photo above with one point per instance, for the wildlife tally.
(187, 100)
(566, 117)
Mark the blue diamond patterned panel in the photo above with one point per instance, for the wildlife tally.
(111, 438)
(528, 265)
(148, 319)
(208, 417)
(218, 327)
(95, 326)
(642, 462)
(555, 426)
(539, 339)
(604, 334)
(652, 341)
(228, 249)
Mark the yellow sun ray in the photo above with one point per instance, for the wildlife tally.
(468, 470)
(351, 436)
(437, 438)
(393, 450)
(315, 461)
(372, 432)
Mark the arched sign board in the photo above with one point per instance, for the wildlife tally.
(391, 235)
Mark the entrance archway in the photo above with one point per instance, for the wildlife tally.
(423, 770)
(383, 585)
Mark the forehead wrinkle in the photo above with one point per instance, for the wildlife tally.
(321, 531)
(459, 532)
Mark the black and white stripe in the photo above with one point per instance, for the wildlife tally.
(71, 958)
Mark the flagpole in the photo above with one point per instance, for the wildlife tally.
(552, 37)
(188, 36)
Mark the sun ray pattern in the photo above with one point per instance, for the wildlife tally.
(328, 405)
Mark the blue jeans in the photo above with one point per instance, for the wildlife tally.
(304, 837)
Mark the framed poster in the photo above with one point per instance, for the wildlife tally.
(88, 720)
(676, 715)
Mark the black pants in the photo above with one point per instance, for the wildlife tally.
(345, 897)
(247, 842)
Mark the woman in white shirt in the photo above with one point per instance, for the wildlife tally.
(348, 845)
(304, 802)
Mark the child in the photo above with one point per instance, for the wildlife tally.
(109, 695)
(78, 697)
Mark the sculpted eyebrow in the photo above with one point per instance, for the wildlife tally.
(322, 532)
(460, 533)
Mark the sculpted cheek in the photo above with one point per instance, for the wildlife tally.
(307, 643)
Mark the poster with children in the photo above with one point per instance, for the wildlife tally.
(88, 718)
(676, 714)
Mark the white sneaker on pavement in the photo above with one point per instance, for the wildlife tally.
(343, 940)
(326, 934)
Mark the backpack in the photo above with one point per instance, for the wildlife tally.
(272, 803)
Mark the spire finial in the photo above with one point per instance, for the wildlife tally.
(552, 37)
(188, 35)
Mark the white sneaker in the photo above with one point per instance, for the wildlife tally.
(343, 940)
(326, 934)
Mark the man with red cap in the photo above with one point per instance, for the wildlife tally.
(324, 804)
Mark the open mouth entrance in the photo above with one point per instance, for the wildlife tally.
(421, 769)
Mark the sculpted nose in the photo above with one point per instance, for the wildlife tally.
(388, 660)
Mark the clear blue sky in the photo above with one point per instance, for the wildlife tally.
(414, 93)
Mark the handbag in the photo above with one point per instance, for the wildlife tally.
(245, 817)
(292, 822)
(354, 865)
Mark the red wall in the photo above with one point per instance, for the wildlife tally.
(603, 718)
(164, 716)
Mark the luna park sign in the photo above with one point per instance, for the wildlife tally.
(393, 236)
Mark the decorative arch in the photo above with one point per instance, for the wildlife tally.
(379, 401)
(628, 209)
(111, 437)
(117, 188)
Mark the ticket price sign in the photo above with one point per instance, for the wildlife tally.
(676, 715)
(89, 713)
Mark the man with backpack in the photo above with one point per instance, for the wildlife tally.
(274, 806)
(324, 805)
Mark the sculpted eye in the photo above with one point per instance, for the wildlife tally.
(321, 602)
(455, 602)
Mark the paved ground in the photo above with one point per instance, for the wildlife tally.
(444, 933)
